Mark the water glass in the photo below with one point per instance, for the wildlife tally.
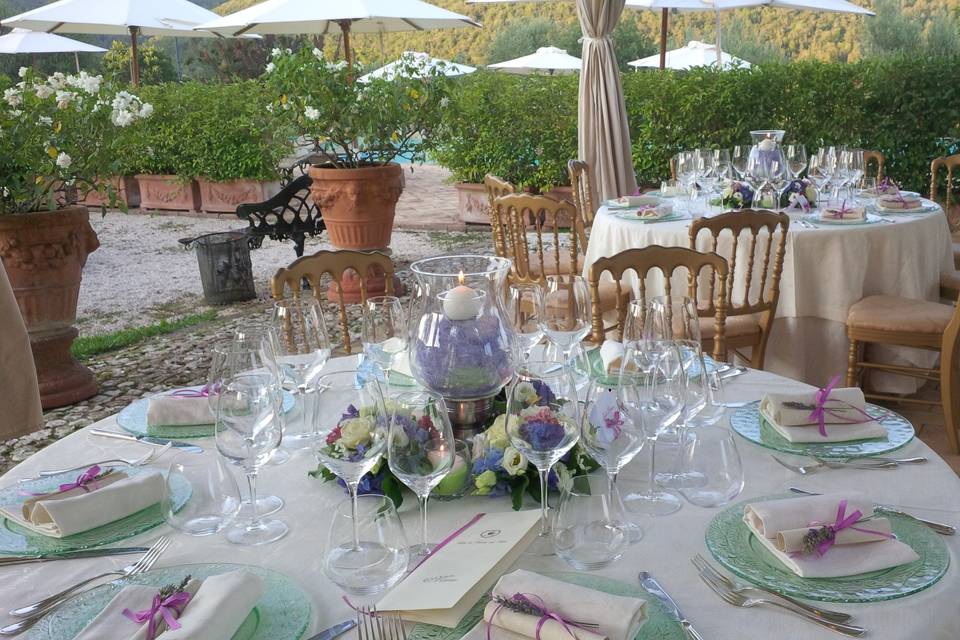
(711, 385)
(214, 498)
(868, 189)
(671, 188)
(366, 547)
(523, 309)
(565, 311)
(590, 529)
(673, 318)
(739, 159)
(384, 332)
(710, 455)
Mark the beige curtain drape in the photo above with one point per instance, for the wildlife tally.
(604, 138)
(18, 378)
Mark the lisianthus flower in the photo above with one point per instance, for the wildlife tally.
(485, 482)
(513, 462)
(355, 431)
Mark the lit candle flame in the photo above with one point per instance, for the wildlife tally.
(461, 276)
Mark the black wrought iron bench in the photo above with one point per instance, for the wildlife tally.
(289, 214)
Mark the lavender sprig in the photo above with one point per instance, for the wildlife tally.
(170, 589)
(520, 604)
(814, 538)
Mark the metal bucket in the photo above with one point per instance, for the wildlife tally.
(225, 268)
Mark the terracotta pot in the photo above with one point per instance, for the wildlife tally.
(224, 197)
(473, 205)
(168, 192)
(358, 205)
(127, 190)
(43, 254)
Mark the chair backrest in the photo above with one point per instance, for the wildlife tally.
(336, 264)
(673, 167)
(525, 215)
(667, 260)
(950, 369)
(875, 157)
(583, 193)
(950, 163)
(497, 187)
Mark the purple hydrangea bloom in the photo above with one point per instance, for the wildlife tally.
(351, 412)
(542, 435)
(544, 392)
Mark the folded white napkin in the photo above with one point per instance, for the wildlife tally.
(634, 201)
(219, 606)
(794, 422)
(618, 617)
(611, 354)
(846, 215)
(62, 514)
(768, 519)
(899, 202)
(178, 411)
(655, 212)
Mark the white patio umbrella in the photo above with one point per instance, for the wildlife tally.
(320, 16)
(26, 41)
(549, 59)
(695, 54)
(117, 18)
(423, 62)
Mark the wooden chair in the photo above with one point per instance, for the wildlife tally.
(583, 194)
(948, 163)
(497, 187)
(667, 260)
(891, 320)
(335, 264)
(750, 318)
(878, 159)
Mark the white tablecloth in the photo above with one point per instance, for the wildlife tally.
(825, 271)
(930, 490)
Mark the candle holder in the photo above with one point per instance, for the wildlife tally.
(461, 346)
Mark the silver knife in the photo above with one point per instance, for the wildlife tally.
(157, 442)
(335, 630)
(939, 527)
(69, 555)
(653, 588)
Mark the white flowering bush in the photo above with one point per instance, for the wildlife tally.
(358, 123)
(59, 139)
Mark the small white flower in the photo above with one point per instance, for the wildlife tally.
(311, 113)
(23, 72)
(271, 67)
(444, 102)
(13, 97)
(64, 98)
(63, 160)
(275, 52)
(317, 53)
(146, 110)
(44, 91)
(513, 462)
(121, 118)
(270, 108)
(288, 50)
(57, 80)
(45, 120)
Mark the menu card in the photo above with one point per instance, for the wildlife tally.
(442, 590)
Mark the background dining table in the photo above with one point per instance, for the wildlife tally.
(826, 269)
(930, 490)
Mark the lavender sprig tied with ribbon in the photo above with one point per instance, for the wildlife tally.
(820, 410)
(168, 605)
(89, 481)
(822, 538)
(533, 605)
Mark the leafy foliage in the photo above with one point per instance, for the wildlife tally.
(155, 64)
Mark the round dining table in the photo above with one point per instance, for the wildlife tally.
(826, 269)
(930, 490)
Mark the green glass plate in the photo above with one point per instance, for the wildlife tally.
(282, 613)
(748, 422)
(599, 373)
(133, 419)
(16, 540)
(870, 218)
(659, 625)
(735, 547)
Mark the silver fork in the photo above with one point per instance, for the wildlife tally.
(740, 600)
(146, 458)
(706, 568)
(31, 613)
(811, 468)
(374, 625)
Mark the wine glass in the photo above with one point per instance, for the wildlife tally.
(214, 495)
(248, 432)
(303, 349)
(695, 399)
(565, 312)
(543, 424)
(611, 432)
(819, 172)
(366, 548)
(853, 162)
(796, 157)
(673, 318)
(590, 530)
(350, 427)
(384, 330)
(706, 171)
(711, 453)
(739, 160)
(659, 402)
(523, 309)
(712, 387)
(686, 164)
(420, 450)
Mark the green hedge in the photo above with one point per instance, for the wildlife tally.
(524, 129)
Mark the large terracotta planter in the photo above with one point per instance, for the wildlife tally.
(224, 197)
(127, 190)
(358, 205)
(43, 254)
(472, 202)
(168, 192)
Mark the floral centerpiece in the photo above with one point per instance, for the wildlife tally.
(736, 195)
(799, 194)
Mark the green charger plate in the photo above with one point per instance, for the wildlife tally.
(734, 546)
(17, 541)
(870, 218)
(749, 423)
(282, 613)
(659, 625)
(631, 216)
(599, 373)
(133, 419)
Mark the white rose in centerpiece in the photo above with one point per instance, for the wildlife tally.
(355, 431)
(513, 461)
(525, 393)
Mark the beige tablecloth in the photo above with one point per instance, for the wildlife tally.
(931, 490)
(825, 271)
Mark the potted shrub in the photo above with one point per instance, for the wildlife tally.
(363, 127)
(58, 137)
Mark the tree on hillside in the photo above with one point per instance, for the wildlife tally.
(891, 31)
(942, 35)
(742, 41)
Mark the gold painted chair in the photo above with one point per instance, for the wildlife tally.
(749, 319)
(583, 194)
(335, 264)
(497, 187)
(891, 320)
(877, 159)
(952, 210)
(668, 260)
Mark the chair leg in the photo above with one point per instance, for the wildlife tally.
(951, 404)
(852, 358)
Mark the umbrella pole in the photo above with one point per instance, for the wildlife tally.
(76, 58)
(347, 53)
(718, 39)
(134, 57)
(664, 17)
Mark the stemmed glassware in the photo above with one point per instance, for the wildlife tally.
(819, 172)
(247, 435)
(543, 424)
(565, 312)
(739, 160)
(524, 306)
(420, 450)
(303, 349)
(796, 157)
(706, 171)
(384, 333)
(686, 166)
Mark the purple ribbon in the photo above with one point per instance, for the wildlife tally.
(798, 202)
(839, 213)
(84, 481)
(547, 614)
(820, 411)
(169, 608)
(202, 392)
(842, 522)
